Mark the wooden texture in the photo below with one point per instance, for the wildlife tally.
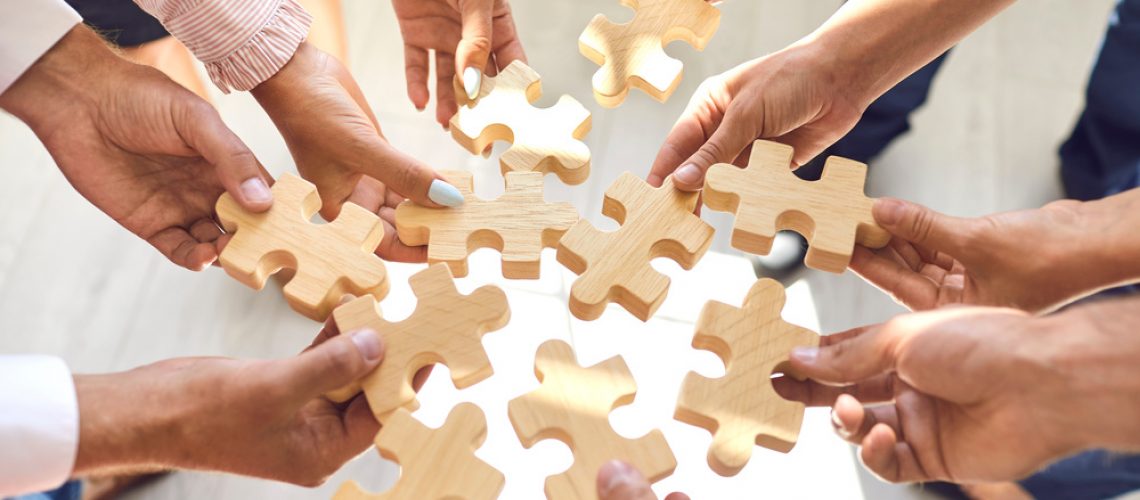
(547, 140)
(435, 464)
(742, 408)
(330, 260)
(614, 266)
(573, 406)
(832, 213)
(633, 54)
(446, 327)
(519, 224)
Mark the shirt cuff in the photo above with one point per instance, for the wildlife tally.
(28, 29)
(39, 425)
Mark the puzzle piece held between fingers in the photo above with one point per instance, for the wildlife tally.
(573, 406)
(330, 260)
(633, 54)
(832, 213)
(434, 463)
(547, 140)
(519, 224)
(655, 222)
(446, 327)
(742, 409)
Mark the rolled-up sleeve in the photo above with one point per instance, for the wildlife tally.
(241, 42)
(39, 424)
(28, 29)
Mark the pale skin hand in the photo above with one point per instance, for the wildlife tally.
(619, 481)
(144, 150)
(257, 418)
(478, 34)
(1034, 260)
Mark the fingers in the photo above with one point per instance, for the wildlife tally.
(236, 167)
(877, 389)
(727, 141)
(360, 426)
(887, 457)
(508, 47)
(337, 362)
(445, 105)
(475, 48)
(922, 226)
(619, 481)
(416, 72)
(853, 421)
(873, 352)
(183, 249)
(409, 177)
(913, 290)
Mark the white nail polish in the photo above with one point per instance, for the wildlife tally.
(472, 80)
(445, 194)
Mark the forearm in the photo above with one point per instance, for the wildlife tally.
(1112, 246)
(123, 424)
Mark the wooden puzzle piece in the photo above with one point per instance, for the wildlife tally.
(446, 327)
(435, 464)
(519, 224)
(330, 260)
(633, 54)
(832, 213)
(573, 406)
(544, 140)
(615, 266)
(742, 409)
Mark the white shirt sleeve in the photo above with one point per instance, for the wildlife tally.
(28, 28)
(39, 423)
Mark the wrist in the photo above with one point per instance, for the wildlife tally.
(282, 84)
(1110, 225)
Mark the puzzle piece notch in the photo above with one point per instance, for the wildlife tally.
(519, 224)
(633, 54)
(614, 266)
(330, 260)
(573, 406)
(446, 327)
(547, 140)
(434, 463)
(742, 409)
(833, 213)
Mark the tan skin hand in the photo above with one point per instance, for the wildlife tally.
(619, 481)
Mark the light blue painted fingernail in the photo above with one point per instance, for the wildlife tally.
(472, 80)
(445, 194)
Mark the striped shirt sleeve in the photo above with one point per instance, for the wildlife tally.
(241, 42)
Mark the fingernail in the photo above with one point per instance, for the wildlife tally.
(472, 80)
(255, 190)
(617, 473)
(445, 194)
(688, 174)
(888, 211)
(654, 180)
(368, 342)
(835, 422)
(806, 355)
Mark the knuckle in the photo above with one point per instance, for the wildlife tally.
(922, 225)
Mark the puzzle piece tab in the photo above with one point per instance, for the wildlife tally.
(435, 464)
(519, 224)
(832, 213)
(547, 140)
(446, 327)
(330, 260)
(573, 406)
(742, 409)
(615, 266)
(633, 54)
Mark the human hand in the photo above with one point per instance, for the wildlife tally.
(1034, 260)
(264, 419)
(619, 481)
(469, 37)
(144, 150)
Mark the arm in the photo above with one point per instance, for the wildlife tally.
(39, 427)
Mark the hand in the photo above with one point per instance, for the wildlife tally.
(977, 394)
(788, 97)
(463, 34)
(1034, 260)
(258, 418)
(144, 150)
(618, 481)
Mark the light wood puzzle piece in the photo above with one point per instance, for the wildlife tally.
(446, 327)
(573, 406)
(547, 140)
(633, 54)
(742, 409)
(435, 464)
(614, 266)
(519, 224)
(330, 260)
(832, 213)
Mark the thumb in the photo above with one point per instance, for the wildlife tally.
(409, 177)
(619, 481)
(873, 350)
(335, 363)
(920, 225)
(725, 144)
(475, 48)
(236, 167)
